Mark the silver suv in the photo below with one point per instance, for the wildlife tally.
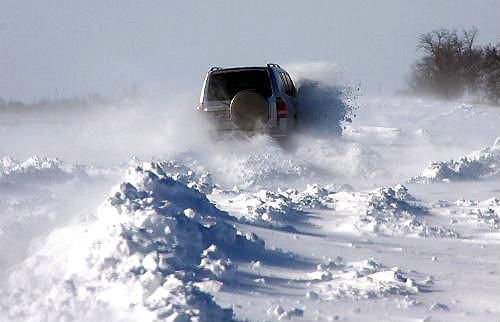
(250, 100)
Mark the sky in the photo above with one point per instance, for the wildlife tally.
(65, 48)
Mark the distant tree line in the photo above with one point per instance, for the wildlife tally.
(46, 104)
(452, 65)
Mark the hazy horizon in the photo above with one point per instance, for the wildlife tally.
(79, 48)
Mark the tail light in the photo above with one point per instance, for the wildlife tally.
(199, 108)
(281, 108)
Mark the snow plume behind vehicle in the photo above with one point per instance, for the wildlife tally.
(324, 101)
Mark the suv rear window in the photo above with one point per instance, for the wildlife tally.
(224, 85)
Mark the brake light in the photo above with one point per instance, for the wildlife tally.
(281, 108)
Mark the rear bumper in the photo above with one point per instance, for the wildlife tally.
(273, 128)
(237, 133)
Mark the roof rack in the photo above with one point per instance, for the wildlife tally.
(273, 65)
(215, 68)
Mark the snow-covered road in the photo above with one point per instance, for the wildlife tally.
(398, 219)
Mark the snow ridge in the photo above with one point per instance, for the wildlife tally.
(393, 211)
(277, 209)
(37, 169)
(383, 211)
(480, 164)
(153, 239)
(359, 280)
(198, 178)
(480, 213)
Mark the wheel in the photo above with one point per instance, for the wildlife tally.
(249, 110)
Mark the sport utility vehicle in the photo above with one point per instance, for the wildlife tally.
(250, 99)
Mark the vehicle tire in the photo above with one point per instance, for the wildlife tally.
(249, 110)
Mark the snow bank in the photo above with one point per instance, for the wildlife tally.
(389, 211)
(277, 209)
(264, 207)
(393, 211)
(481, 213)
(359, 280)
(314, 196)
(383, 211)
(37, 169)
(193, 176)
(39, 194)
(480, 164)
(141, 258)
(281, 314)
(41, 170)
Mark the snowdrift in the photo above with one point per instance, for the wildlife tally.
(393, 211)
(37, 169)
(486, 212)
(482, 214)
(141, 258)
(43, 171)
(481, 164)
(276, 209)
(359, 280)
(389, 211)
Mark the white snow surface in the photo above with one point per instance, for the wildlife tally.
(141, 256)
(480, 164)
(37, 169)
(360, 280)
(335, 227)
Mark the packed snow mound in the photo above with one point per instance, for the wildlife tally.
(193, 176)
(277, 209)
(280, 313)
(313, 196)
(383, 211)
(40, 170)
(480, 164)
(141, 258)
(481, 213)
(264, 207)
(359, 280)
(37, 169)
(387, 211)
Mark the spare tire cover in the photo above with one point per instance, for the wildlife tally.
(249, 110)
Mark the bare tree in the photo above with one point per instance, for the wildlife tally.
(491, 73)
(471, 61)
(452, 64)
(439, 70)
